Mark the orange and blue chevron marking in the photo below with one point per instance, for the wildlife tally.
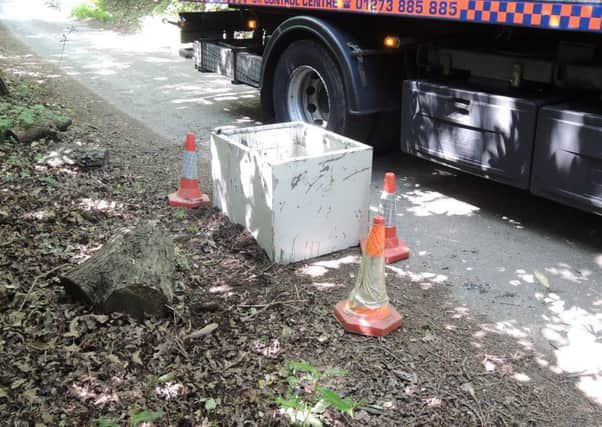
(565, 16)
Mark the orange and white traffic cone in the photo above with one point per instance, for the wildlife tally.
(367, 310)
(189, 193)
(395, 249)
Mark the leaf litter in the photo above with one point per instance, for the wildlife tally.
(237, 319)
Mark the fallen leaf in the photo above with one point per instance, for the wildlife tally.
(100, 318)
(170, 376)
(210, 404)
(202, 332)
(145, 417)
(113, 359)
(17, 383)
(74, 330)
(429, 336)
(469, 388)
(24, 367)
(31, 395)
(542, 279)
(136, 358)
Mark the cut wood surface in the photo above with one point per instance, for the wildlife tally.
(132, 273)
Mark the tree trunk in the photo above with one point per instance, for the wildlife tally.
(132, 273)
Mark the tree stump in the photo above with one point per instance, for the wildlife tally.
(132, 273)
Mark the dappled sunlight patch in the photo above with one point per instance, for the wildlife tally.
(527, 344)
(322, 268)
(82, 252)
(572, 331)
(480, 334)
(202, 101)
(99, 205)
(171, 391)
(89, 389)
(591, 386)
(326, 286)
(516, 224)
(507, 327)
(40, 215)
(224, 290)
(554, 335)
(266, 347)
(566, 272)
(226, 98)
(313, 270)
(489, 365)
(492, 363)
(521, 377)
(582, 353)
(428, 203)
(461, 312)
(525, 276)
(159, 60)
(104, 72)
(421, 278)
(433, 402)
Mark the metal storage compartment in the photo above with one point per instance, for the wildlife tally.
(568, 155)
(229, 59)
(248, 69)
(482, 133)
(215, 57)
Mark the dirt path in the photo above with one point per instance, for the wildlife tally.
(62, 364)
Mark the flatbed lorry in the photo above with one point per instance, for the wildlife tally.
(509, 90)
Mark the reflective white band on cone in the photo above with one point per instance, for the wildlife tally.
(387, 207)
(189, 169)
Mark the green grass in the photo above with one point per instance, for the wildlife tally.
(92, 9)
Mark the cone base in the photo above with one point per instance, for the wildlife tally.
(364, 325)
(397, 253)
(394, 251)
(175, 201)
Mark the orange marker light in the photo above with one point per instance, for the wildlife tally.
(392, 42)
(252, 24)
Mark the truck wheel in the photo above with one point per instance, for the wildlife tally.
(308, 87)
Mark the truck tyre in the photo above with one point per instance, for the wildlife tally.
(308, 87)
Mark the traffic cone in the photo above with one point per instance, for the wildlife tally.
(395, 249)
(189, 193)
(367, 310)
